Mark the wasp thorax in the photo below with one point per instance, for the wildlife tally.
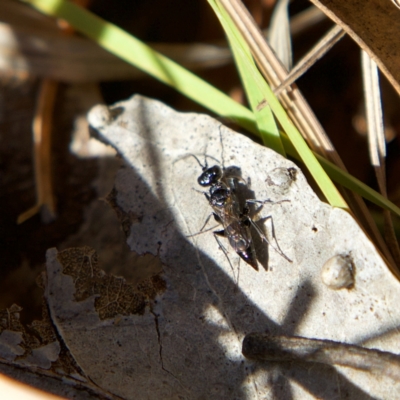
(219, 195)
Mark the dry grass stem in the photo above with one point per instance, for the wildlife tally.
(42, 126)
(317, 52)
(263, 347)
(377, 142)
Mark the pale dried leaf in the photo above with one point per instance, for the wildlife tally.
(191, 340)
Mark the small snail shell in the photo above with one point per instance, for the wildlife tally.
(338, 272)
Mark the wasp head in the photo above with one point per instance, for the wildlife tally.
(210, 176)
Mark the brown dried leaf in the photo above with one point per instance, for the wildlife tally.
(375, 26)
(113, 295)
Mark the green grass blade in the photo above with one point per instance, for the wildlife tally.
(355, 185)
(346, 180)
(253, 82)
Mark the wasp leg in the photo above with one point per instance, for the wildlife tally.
(255, 201)
(204, 225)
(263, 237)
(262, 202)
(217, 218)
(221, 246)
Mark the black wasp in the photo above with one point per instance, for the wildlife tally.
(228, 211)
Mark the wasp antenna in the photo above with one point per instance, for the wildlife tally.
(203, 167)
(212, 158)
(187, 155)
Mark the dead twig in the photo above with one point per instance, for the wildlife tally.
(264, 347)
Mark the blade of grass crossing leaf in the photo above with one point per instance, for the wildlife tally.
(242, 18)
(264, 118)
(346, 180)
(352, 183)
(314, 167)
(143, 57)
(253, 82)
